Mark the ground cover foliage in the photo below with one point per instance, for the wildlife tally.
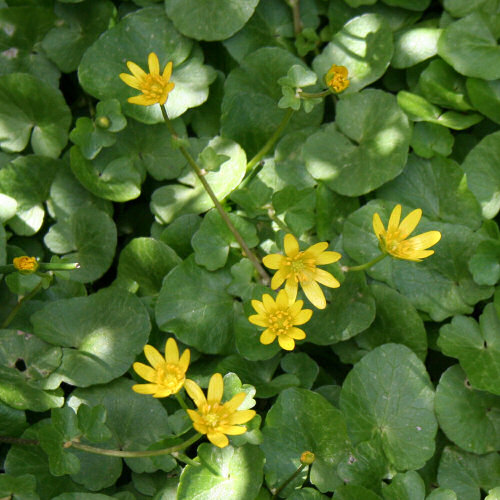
(396, 387)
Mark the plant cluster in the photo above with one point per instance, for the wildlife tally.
(261, 263)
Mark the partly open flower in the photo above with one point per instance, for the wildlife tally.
(166, 374)
(25, 264)
(394, 242)
(154, 86)
(216, 419)
(279, 319)
(300, 267)
(336, 78)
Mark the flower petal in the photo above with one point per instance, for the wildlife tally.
(278, 278)
(302, 317)
(235, 402)
(409, 224)
(217, 438)
(295, 307)
(131, 81)
(378, 227)
(273, 261)
(167, 72)
(234, 430)
(141, 100)
(296, 333)
(267, 337)
(195, 393)
(269, 303)
(144, 371)
(184, 360)
(291, 288)
(424, 240)
(258, 320)
(153, 64)
(315, 250)
(282, 300)
(325, 278)
(215, 388)
(164, 392)
(153, 356)
(394, 219)
(291, 245)
(241, 417)
(286, 342)
(136, 70)
(314, 294)
(171, 351)
(258, 306)
(145, 388)
(328, 258)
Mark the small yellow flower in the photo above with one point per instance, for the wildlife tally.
(394, 242)
(300, 267)
(336, 78)
(166, 374)
(25, 264)
(154, 86)
(279, 318)
(307, 458)
(216, 419)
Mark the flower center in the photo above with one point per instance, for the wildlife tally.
(153, 86)
(169, 375)
(338, 82)
(214, 415)
(280, 322)
(299, 267)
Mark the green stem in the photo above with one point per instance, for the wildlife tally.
(135, 454)
(181, 401)
(297, 21)
(184, 458)
(289, 480)
(272, 215)
(367, 265)
(271, 141)
(314, 95)
(197, 170)
(20, 302)
(58, 266)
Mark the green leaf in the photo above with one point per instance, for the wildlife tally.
(132, 39)
(351, 310)
(469, 418)
(90, 138)
(32, 111)
(226, 17)
(301, 365)
(31, 388)
(388, 395)
(77, 28)
(91, 237)
(477, 346)
(315, 426)
(212, 241)
(485, 263)
(485, 97)
(442, 494)
(365, 147)
(178, 199)
(178, 234)
(193, 304)
(414, 45)
(364, 46)
(146, 261)
(13, 421)
(409, 4)
(230, 473)
(354, 492)
(91, 422)
(429, 139)
(250, 114)
(18, 487)
(129, 416)
(438, 187)
(494, 494)
(407, 486)
(465, 473)
(307, 494)
(100, 334)
(483, 176)
(470, 46)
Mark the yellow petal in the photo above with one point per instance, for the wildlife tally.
(378, 227)
(171, 351)
(286, 342)
(258, 306)
(314, 294)
(195, 393)
(418, 255)
(282, 300)
(241, 417)
(163, 393)
(142, 100)
(394, 219)
(291, 288)
(131, 81)
(235, 402)
(291, 245)
(195, 416)
(315, 250)
(267, 337)
(269, 303)
(302, 317)
(184, 361)
(278, 278)
(273, 261)
(144, 371)
(424, 240)
(295, 307)
(325, 278)
(153, 356)
(328, 258)
(296, 333)
(145, 388)
(233, 430)
(154, 64)
(136, 70)
(409, 223)
(215, 388)
(217, 438)
(201, 427)
(258, 320)
(167, 72)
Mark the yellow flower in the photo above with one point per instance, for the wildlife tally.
(394, 242)
(167, 374)
(154, 86)
(300, 267)
(216, 419)
(279, 318)
(25, 264)
(336, 78)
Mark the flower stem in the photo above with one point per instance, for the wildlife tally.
(314, 95)
(251, 256)
(271, 141)
(136, 454)
(272, 215)
(20, 302)
(297, 22)
(288, 481)
(184, 458)
(181, 401)
(367, 265)
(58, 266)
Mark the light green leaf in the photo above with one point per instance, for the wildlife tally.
(485, 97)
(407, 486)
(485, 263)
(18, 487)
(355, 492)
(428, 139)
(414, 45)
(388, 395)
